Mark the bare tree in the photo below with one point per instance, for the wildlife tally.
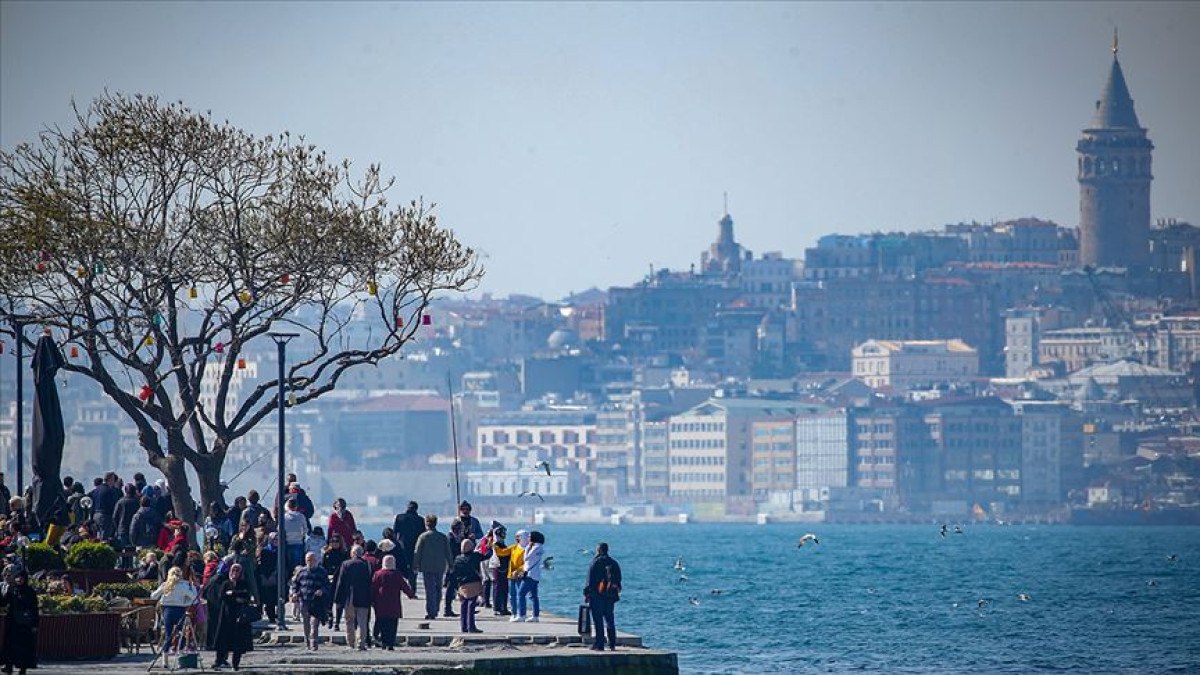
(158, 245)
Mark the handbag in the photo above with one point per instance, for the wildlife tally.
(584, 624)
(251, 614)
(471, 589)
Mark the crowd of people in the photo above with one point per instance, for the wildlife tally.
(221, 570)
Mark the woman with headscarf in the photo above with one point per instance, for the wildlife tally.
(174, 595)
(233, 628)
(387, 585)
(20, 626)
(335, 554)
(468, 583)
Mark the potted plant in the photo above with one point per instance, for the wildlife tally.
(42, 557)
(75, 627)
(133, 590)
(93, 562)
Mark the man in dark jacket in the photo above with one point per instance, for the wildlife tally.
(302, 499)
(144, 526)
(104, 501)
(432, 557)
(253, 510)
(127, 506)
(602, 591)
(407, 528)
(5, 495)
(354, 594)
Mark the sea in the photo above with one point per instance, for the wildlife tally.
(897, 598)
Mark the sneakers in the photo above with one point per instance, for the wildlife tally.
(474, 630)
(515, 619)
(532, 619)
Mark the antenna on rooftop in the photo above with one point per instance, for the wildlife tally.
(725, 199)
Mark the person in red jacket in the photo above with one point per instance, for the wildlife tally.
(386, 587)
(341, 521)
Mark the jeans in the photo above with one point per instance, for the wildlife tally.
(433, 592)
(451, 593)
(466, 608)
(602, 622)
(357, 618)
(295, 556)
(171, 618)
(514, 590)
(529, 587)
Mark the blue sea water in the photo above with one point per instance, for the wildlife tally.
(899, 599)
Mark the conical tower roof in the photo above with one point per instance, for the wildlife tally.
(1114, 110)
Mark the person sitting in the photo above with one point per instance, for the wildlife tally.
(149, 569)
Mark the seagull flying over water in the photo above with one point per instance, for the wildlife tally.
(715, 591)
(548, 563)
(982, 603)
(943, 531)
(683, 578)
(585, 551)
(1174, 557)
(807, 538)
(957, 530)
(531, 494)
(1024, 597)
(694, 601)
(543, 465)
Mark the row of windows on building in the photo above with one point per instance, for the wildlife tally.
(698, 461)
(697, 443)
(526, 437)
(698, 478)
(681, 427)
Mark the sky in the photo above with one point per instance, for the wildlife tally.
(577, 145)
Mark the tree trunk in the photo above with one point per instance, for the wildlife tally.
(208, 471)
(173, 468)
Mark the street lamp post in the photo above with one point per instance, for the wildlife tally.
(281, 340)
(19, 332)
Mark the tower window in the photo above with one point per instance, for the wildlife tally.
(1100, 166)
(1087, 165)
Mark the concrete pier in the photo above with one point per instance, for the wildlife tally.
(550, 647)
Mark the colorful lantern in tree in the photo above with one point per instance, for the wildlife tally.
(145, 394)
(399, 322)
(193, 293)
(74, 352)
(149, 341)
(81, 271)
(291, 398)
(426, 320)
(285, 278)
(219, 348)
(40, 267)
(245, 297)
(372, 288)
(241, 364)
(99, 267)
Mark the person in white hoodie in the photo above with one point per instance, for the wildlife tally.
(175, 595)
(532, 569)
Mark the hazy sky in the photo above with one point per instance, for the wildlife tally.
(575, 145)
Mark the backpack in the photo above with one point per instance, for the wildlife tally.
(609, 587)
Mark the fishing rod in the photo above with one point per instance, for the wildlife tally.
(454, 440)
(245, 469)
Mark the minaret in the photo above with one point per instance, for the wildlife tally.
(1114, 180)
(724, 256)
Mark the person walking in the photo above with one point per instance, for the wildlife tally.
(465, 576)
(233, 627)
(532, 577)
(432, 557)
(127, 507)
(516, 571)
(312, 592)
(353, 593)
(341, 521)
(407, 527)
(21, 624)
(387, 586)
(335, 554)
(295, 530)
(601, 593)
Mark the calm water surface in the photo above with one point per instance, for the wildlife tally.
(899, 599)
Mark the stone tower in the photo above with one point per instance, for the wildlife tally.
(1114, 180)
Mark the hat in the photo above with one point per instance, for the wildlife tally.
(148, 491)
(387, 545)
(465, 504)
(292, 487)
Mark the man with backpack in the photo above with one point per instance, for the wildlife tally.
(602, 592)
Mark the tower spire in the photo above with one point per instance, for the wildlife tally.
(725, 199)
(1115, 43)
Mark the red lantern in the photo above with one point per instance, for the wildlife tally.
(241, 364)
(284, 278)
(40, 267)
(219, 348)
(426, 320)
(74, 352)
(399, 322)
(145, 393)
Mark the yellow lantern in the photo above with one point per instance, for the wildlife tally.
(81, 271)
(245, 297)
(149, 341)
(193, 293)
(372, 288)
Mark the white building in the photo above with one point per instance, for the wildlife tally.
(1077, 348)
(822, 453)
(902, 365)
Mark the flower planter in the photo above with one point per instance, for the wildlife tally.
(76, 636)
(84, 580)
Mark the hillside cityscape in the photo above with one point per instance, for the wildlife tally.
(1022, 370)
